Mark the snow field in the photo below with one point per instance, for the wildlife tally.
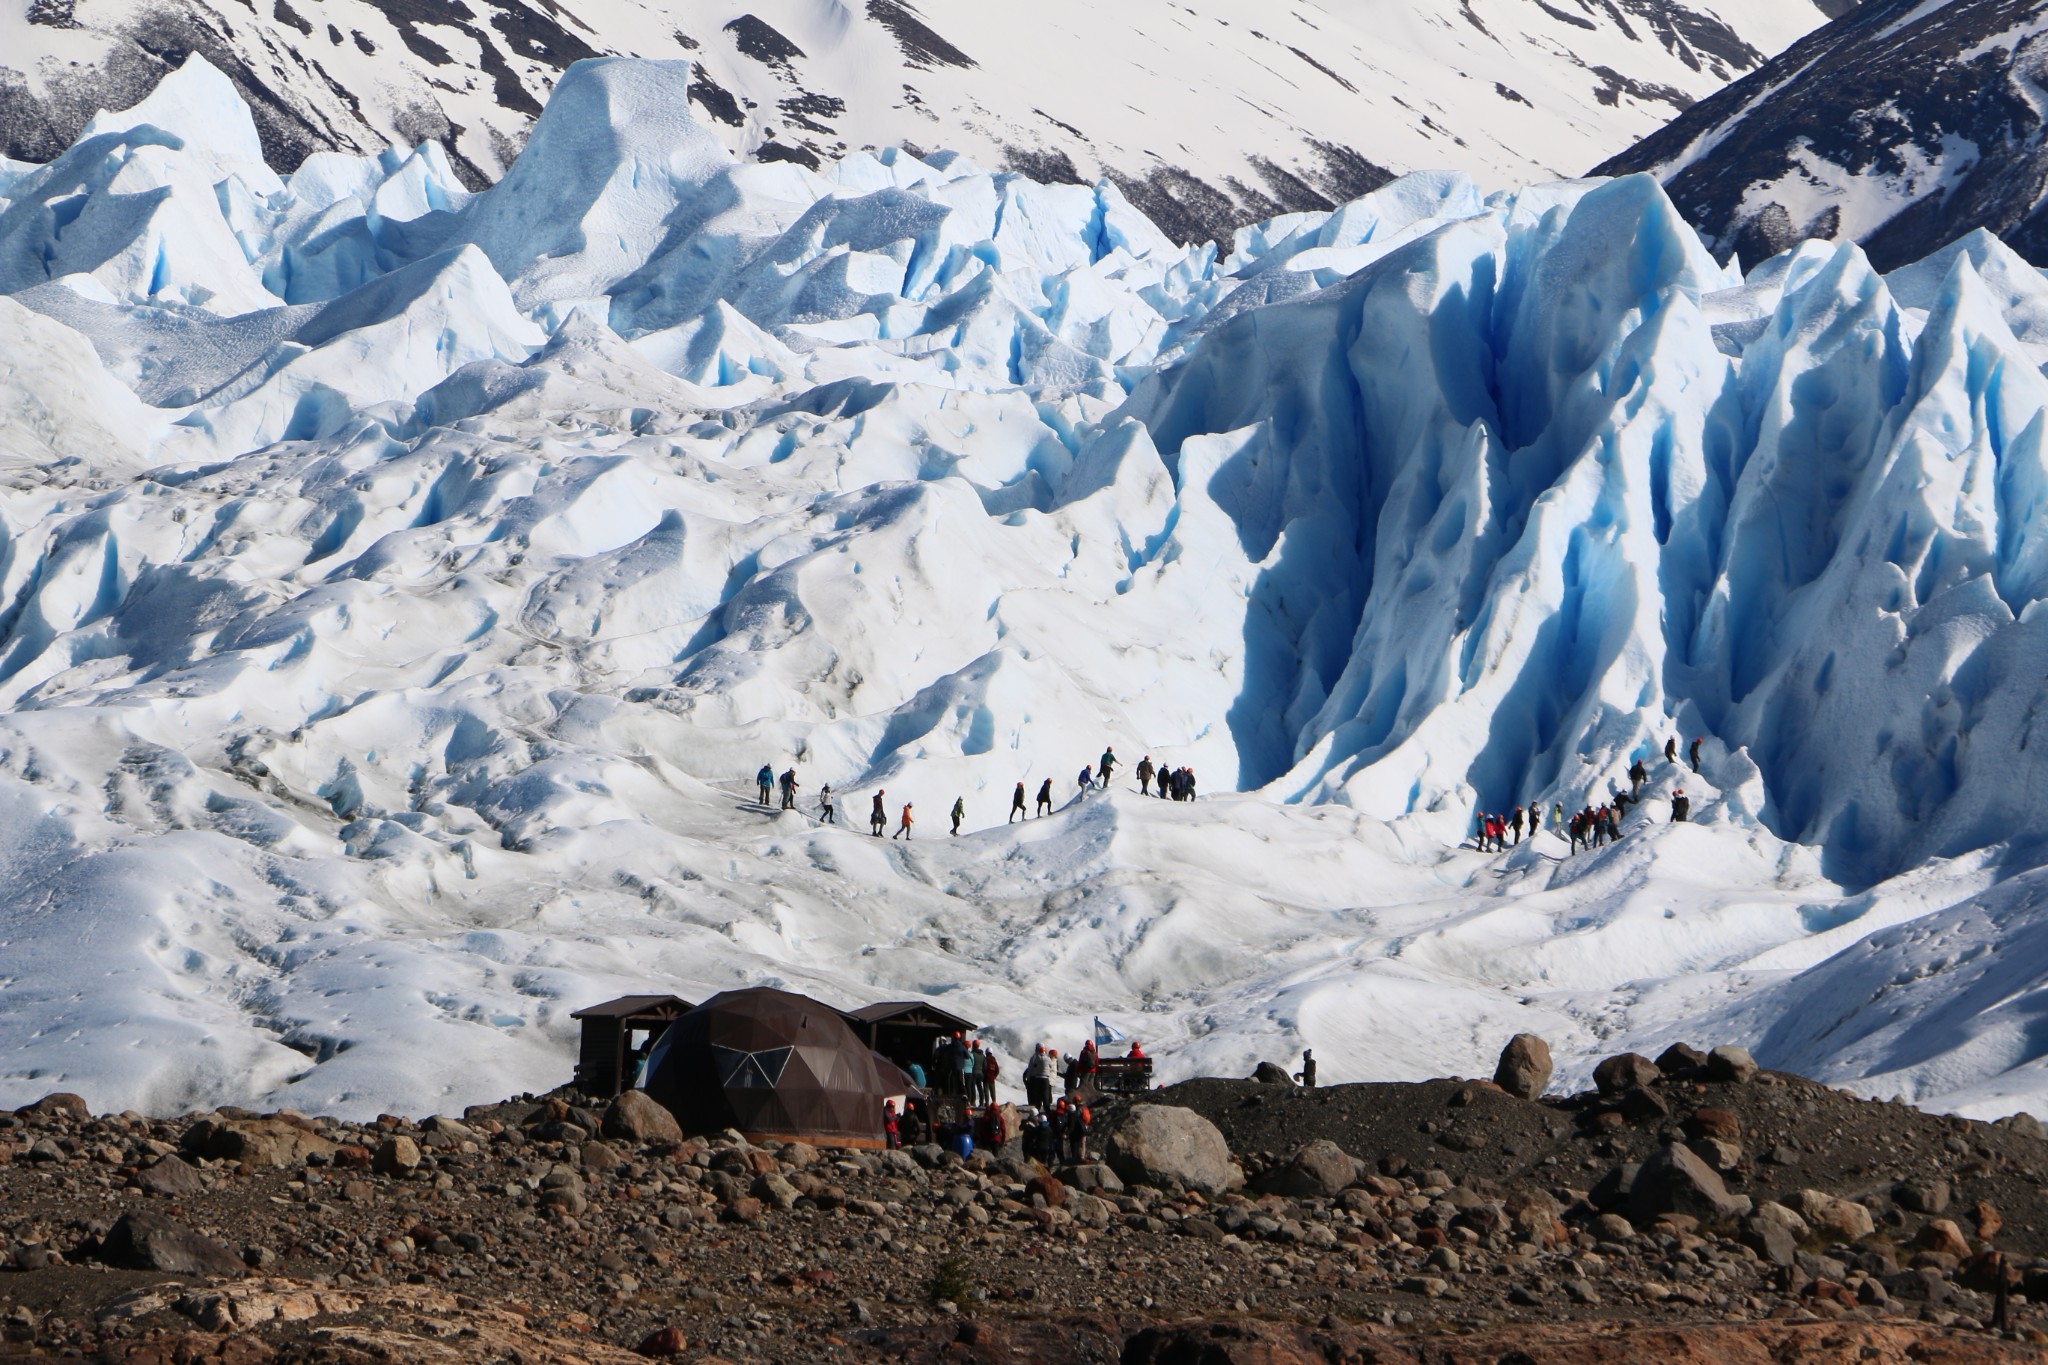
(401, 587)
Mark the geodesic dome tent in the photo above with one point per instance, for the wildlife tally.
(772, 1064)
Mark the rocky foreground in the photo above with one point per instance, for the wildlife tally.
(1691, 1209)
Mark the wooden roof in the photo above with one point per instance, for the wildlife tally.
(908, 1012)
(627, 1006)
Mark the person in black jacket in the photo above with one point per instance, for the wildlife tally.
(1681, 807)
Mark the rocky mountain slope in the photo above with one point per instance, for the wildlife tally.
(1208, 114)
(1902, 126)
(1679, 1217)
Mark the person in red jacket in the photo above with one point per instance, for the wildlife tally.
(903, 830)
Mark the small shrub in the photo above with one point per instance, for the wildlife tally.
(952, 1281)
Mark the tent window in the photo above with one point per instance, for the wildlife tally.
(750, 1070)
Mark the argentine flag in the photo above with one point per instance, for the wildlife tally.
(1105, 1035)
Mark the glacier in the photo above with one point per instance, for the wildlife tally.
(399, 587)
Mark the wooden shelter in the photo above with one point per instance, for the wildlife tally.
(904, 1030)
(617, 1035)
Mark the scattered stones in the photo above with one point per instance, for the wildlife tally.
(1626, 1071)
(1525, 1067)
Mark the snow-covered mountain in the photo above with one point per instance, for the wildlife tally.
(400, 587)
(1902, 126)
(1208, 114)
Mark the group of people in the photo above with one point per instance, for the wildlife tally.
(960, 1066)
(1591, 826)
(780, 792)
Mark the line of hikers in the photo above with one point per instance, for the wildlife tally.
(1591, 826)
(1176, 784)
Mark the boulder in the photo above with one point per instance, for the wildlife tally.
(169, 1175)
(1317, 1171)
(1770, 1239)
(1832, 1217)
(1990, 1222)
(1924, 1196)
(1271, 1073)
(1524, 1069)
(1773, 1212)
(256, 1141)
(1723, 1155)
(1675, 1180)
(635, 1116)
(1714, 1123)
(1158, 1143)
(1731, 1066)
(396, 1156)
(150, 1241)
(62, 1104)
(1680, 1058)
(1627, 1071)
(1611, 1190)
(1943, 1237)
(1093, 1176)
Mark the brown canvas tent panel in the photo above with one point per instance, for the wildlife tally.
(771, 1064)
(609, 1052)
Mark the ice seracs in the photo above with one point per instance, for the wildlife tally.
(399, 588)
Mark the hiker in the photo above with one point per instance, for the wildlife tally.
(1307, 1074)
(1515, 824)
(789, 789)
(1188, 776)
(879, 816)
(1637, 775)
(1045, 797)
(1031, 1131)
(1681, 807)
(946, 1066)
(1038, 1079)
(1671, 749)
(959, 814)
(1556, 814)
(1596, 821)
(1694, 754)
(1137, 1052)
(1577, 829)
(902, 830)
(1086, 1065)
(1087, 778)
(892, 1132)
(1078, 1122)
(968, 1076)
(1069, 1072)
(827, 812)
(990, 1131)
(765, 782)
(1107, 763)
(1479, 828)
(1144, 771)
(990, 1069)
(1016, 804)
(1614, 824)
